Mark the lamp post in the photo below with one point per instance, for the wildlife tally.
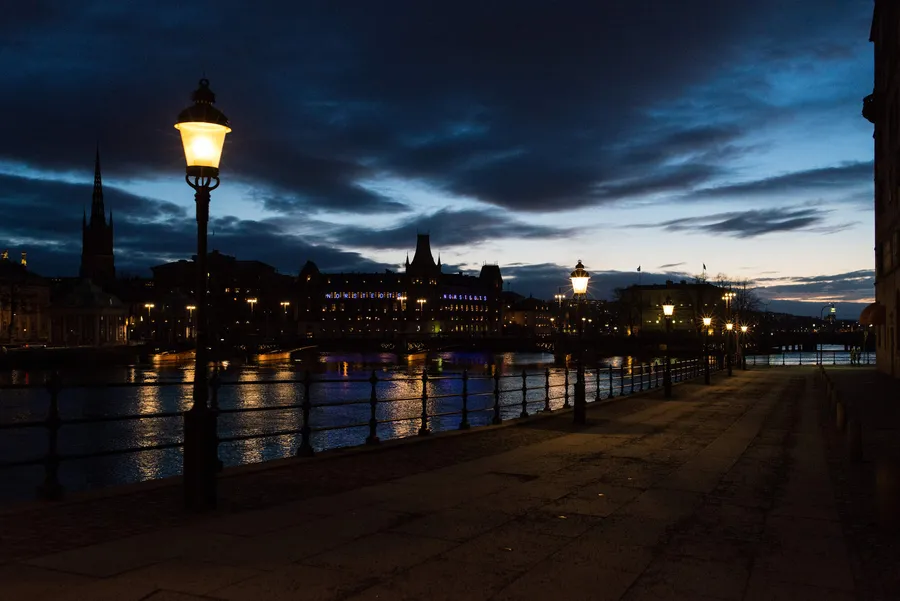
(707, 322)
(191, 309)
(820, 347)
(728, 328)
(579, 278)
(149, 306)
(668, 312)
(203, 128)
(744, 329)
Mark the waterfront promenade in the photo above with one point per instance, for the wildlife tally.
(724, 492)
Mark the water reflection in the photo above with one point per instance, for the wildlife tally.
(344, 401)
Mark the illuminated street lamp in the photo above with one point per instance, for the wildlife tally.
(190, 309)
(820, 346)
(580, 279)
(285, 305)
(707, 322)
(668, 312)
(203, 128)
(728, 327)
(744, 346)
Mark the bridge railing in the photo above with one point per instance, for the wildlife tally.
(322, 413)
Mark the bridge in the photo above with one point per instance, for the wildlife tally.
(715, 492)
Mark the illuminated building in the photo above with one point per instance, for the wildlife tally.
(24, 303)
(421, 301)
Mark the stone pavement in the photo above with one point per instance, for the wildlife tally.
(720, 493)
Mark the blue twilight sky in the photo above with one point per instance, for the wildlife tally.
(525, 133)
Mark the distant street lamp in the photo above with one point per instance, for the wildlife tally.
(728, 327)
(744, 329)
(821, 351)
(707, 322)
(203, 128)
(190, 309)
(668, 312)
(285, 305)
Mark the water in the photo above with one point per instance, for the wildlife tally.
(342, 400)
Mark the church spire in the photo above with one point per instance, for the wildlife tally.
(97, 209)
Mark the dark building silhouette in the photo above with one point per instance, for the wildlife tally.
(97, 261)
(882, 108)
(420, 301)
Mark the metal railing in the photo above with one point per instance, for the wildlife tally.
(440, 402)
(827, 357)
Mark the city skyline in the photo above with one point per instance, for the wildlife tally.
(662, 137)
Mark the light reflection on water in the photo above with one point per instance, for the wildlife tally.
(399, 389)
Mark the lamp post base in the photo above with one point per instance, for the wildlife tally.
(200, 458)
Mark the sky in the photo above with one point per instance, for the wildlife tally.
(659, 134)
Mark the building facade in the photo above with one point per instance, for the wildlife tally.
(85, 315)
(421, 301)
(882, 108)
(97, 260)
(24, 303)
(249, 301)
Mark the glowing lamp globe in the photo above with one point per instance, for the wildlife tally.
(744, 329)
(203, 128)
(580, 279)
(668, 307)
(729, 326)
(707, 321)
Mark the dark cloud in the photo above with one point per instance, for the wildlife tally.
(757, 222)
(41, 218)
(850, 286)
(450, 228)
(671, 265)
(849, 175)
(524, 107)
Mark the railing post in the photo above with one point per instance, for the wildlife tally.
(621, 380)
(51, 489)
(834, 357)
(631, 372)
(611, 393)
(305, 449)
(641, 386)
(656, 373)
(497, 419)
(524, 396)
(566, 404)
(423, 429)
(547, 389)
(464, 423)
(373, 405)
(597, 391)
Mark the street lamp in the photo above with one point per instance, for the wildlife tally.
(285, 305)
(149, 306)
(668, 312)
(744, 347)
(821, 351)
(728, 326)
(579, 278)
(203, 128)
(707, 322)
(190, 309)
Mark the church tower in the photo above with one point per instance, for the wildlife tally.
(97, 262)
